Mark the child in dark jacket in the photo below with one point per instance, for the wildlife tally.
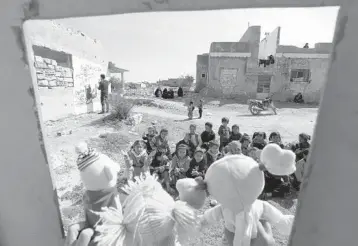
(213, 154)
(207, 135)
(303, 144)
(235, 133)
(198, 166)
(224, 138)
(147, 137)
(259, 140)
(245, 144)
(160, 167)
(224, 125)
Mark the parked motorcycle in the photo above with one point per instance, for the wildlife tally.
(257, 106)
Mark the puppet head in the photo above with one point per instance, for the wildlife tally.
(150, 217)
(97, 171)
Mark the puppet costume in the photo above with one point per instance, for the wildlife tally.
(236, 181)
(150, 217)
(99, 176)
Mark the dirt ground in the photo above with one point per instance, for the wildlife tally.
(110, 138)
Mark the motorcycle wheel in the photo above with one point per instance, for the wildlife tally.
(254, 110)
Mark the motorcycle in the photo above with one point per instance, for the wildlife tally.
(257, 106)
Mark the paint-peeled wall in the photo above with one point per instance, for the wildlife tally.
(88, 62)
(86, 74)
(285, 90)
(228, 80)
(268, 45)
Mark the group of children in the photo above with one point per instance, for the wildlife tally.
(196, 152)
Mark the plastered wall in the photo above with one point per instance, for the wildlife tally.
(285, 90)
(327, 210)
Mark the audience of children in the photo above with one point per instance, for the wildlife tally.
(195, 153)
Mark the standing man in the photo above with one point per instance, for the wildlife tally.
(103, 87)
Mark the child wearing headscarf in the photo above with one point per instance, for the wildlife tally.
(136, 159)
(300, 170)
(303, 144)
(259, 140)
(160, 143)
(180, 163)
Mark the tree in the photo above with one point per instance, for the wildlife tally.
(116, 83)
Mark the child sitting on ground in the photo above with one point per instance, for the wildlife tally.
(233, 148)
(160, 168)
(136, 160)
(259, 140)
(194, 137)
(235, 133)
(147, 137)
(207, 135)
(160, 143)
(179, 164)
(303, 144)
(300, 170)
(198, 166)
(213, 154)
(224, 138)
(275, 137)
(245, 144)
(186, 141)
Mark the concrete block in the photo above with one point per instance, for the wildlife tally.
(52, 83)
(39, 59)
(68, 80)
(47, 61)
(42, 82)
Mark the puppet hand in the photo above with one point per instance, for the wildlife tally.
(264, 235)
(79, 235)
(195, 173)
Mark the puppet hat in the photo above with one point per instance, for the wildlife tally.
(278, 161)
(97, 171)
(150, 217)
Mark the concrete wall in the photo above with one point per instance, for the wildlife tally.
(222, 83)
(202, 67)
(269, 44)
(285, 90)
(88, 62)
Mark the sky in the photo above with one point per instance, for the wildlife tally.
(164, 45)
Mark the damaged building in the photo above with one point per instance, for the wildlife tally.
(252, 68)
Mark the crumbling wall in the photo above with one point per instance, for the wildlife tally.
(88, 62)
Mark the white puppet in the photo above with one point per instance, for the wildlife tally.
(236, 181)
(150, 217)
